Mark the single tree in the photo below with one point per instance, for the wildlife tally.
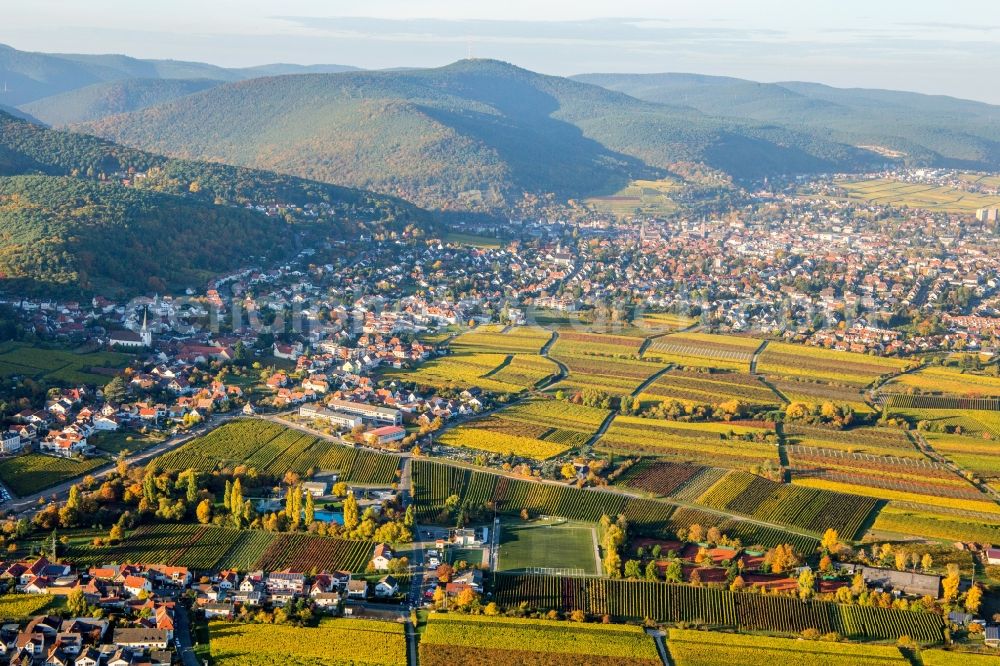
(350, 512)
(204, 512)
(310, 509)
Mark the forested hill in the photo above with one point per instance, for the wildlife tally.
(68, 224)
(111, 97)
(929, 129)
(29, 76)
(477, 133)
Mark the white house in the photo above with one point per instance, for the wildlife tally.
(382, 557)
(10, 442)
(387, 586)
(136, 585)
(106, 423)
(357, 589)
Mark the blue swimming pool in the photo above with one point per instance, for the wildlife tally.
(330, 517)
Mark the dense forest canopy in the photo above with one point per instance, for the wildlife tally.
(80, 214)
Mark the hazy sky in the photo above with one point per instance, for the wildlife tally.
(935, 47)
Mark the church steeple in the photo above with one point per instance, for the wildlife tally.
(144, 332)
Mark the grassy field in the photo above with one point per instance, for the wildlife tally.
(639, 197)
(33, 471)
(115, 442)
(917, 195)
(335, 642)
(475, 640)
(59, 366)
(554, 544)
(472, 240)
(956, 658)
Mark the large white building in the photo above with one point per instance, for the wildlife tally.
(368, 412)
(341, 419)
(10, 442)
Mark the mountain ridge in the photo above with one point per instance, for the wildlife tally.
(932, 130)
(31, 75)
(476, 130)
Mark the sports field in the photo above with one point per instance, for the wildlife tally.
(555, 546)
(57, 366)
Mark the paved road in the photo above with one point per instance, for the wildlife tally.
(411, 644)
(182, 632)
(756, 355)
(406, 482)
(417, 568)
(605, 424)
(649, 380)
(658, 636)
(563, 370)
(25, 506)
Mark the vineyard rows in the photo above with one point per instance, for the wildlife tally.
(707, 443)
(526, 371)
(615, 376)
(659, 478)
(434, 482)
(335, 642)
(697, 648)
(481, 639)
(705, 350)
(459, 370)
(814, 363)
(900, 401)
(709, 388)
(207, 547)
(272, 449)
(875, 441)
(665, 602)
(489, 338)
(811, 509)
